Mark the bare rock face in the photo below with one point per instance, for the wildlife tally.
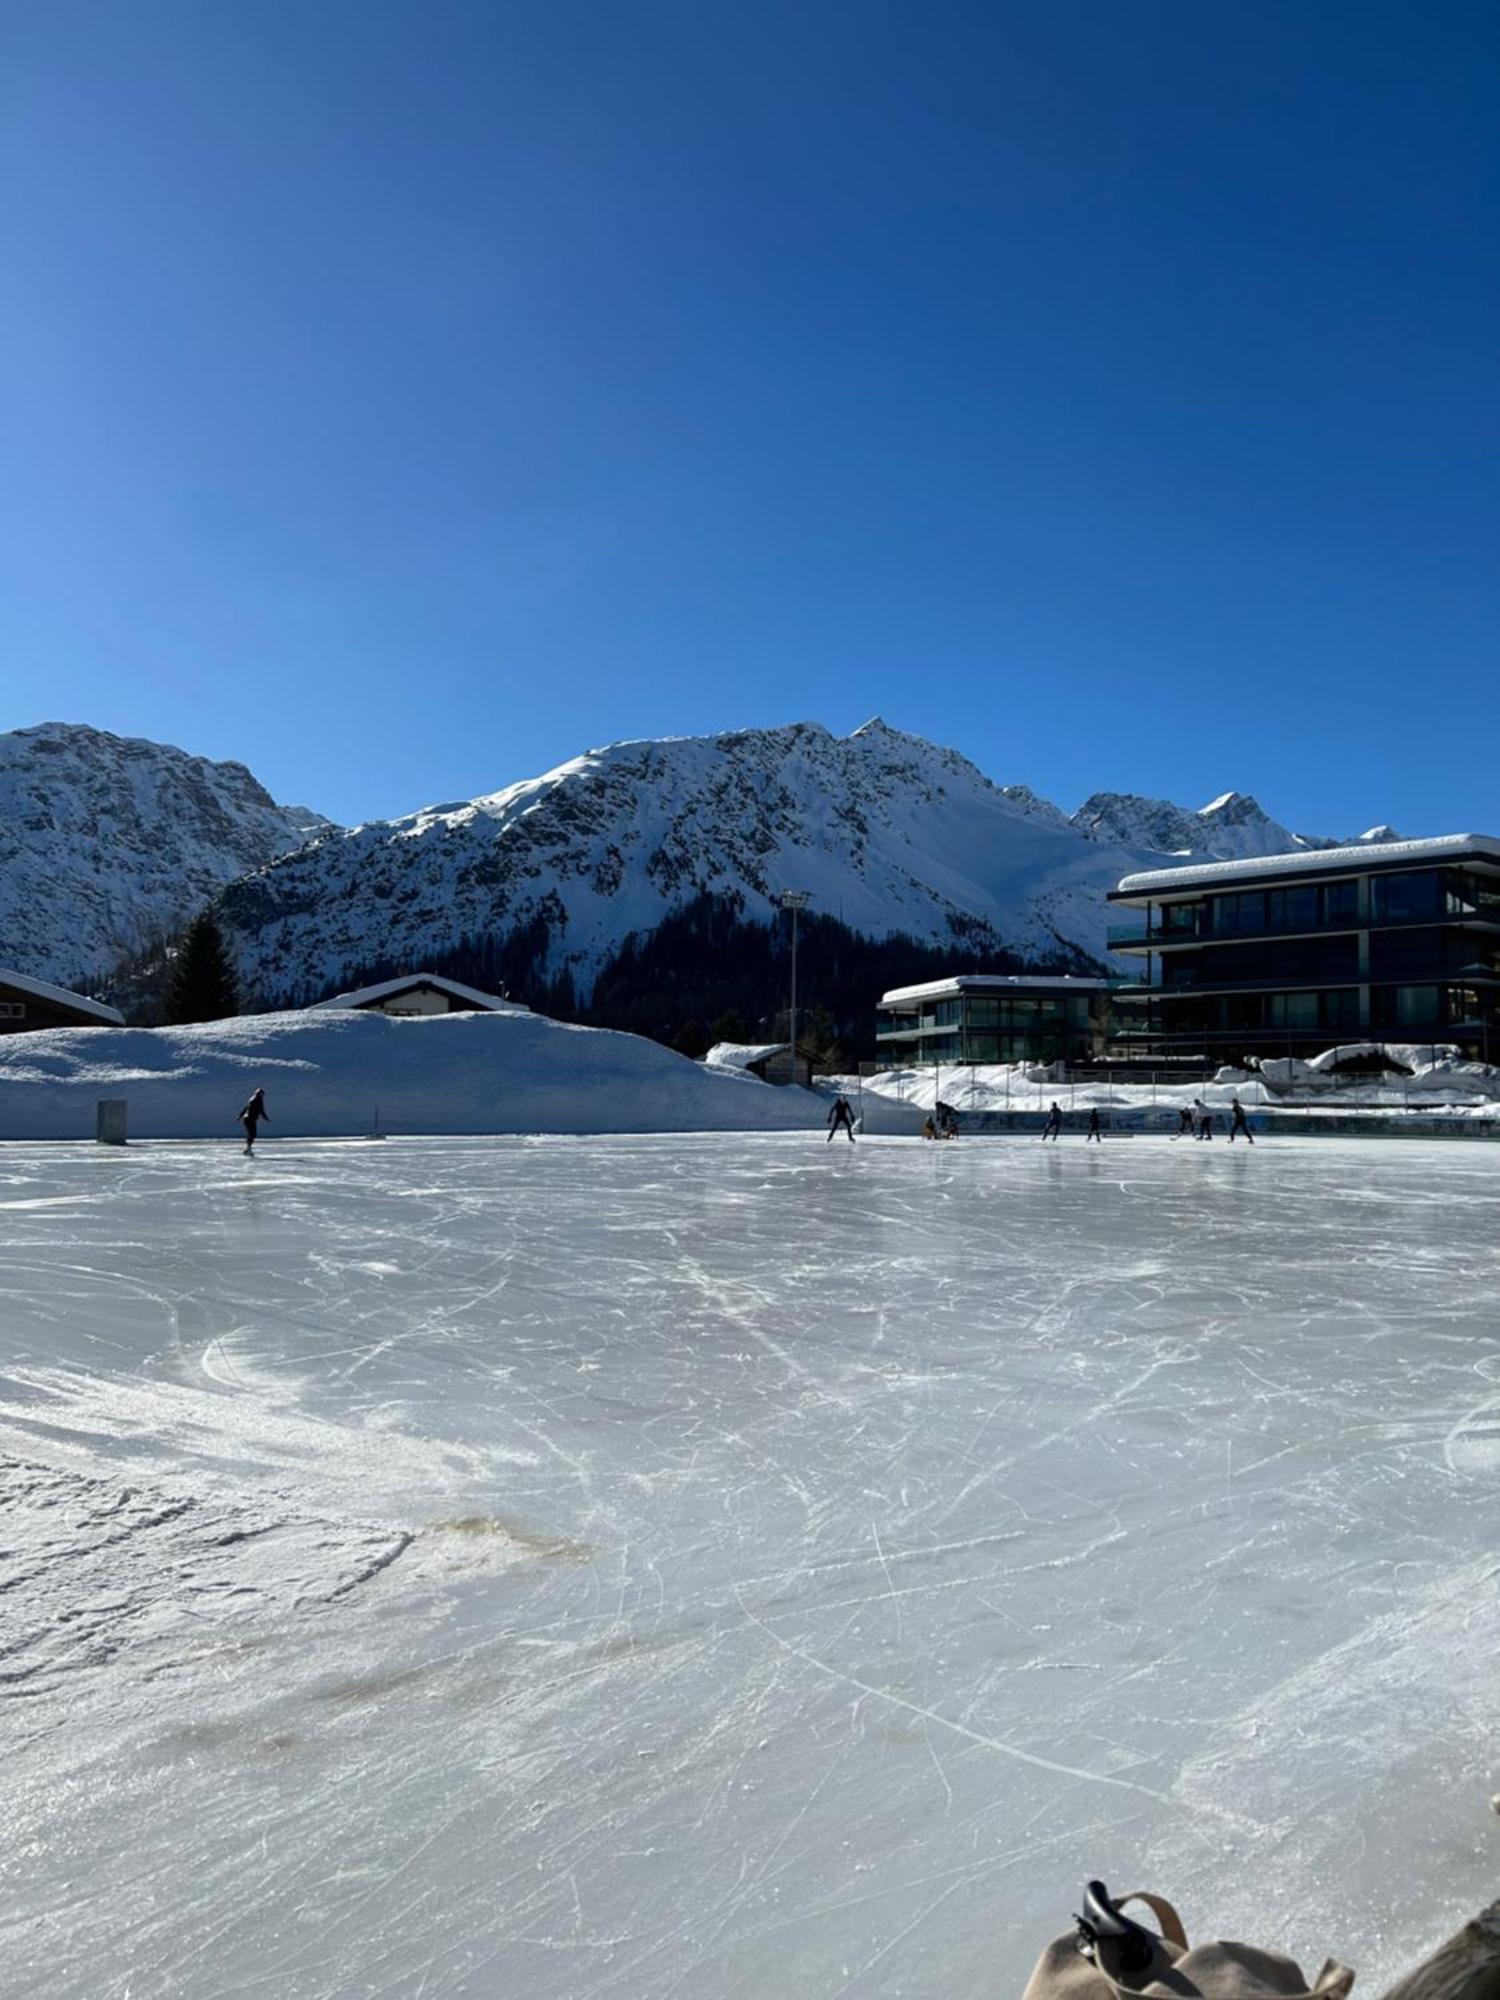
(108, 841)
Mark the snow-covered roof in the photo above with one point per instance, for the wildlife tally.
(984, 982)
(1318, 861)
(387, 989)
(741, 1055)
(38, 989)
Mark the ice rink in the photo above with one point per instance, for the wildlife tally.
(738, 1566)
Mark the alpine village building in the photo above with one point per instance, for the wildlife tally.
(28, 1004)
(1290, 954)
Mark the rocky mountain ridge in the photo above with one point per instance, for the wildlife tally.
(889, 833)
(109, 841)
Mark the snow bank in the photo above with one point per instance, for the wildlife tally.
(897, 1100)
(325, 1073)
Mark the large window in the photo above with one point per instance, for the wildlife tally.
(1179, 920)
(1292, 1010)
(1340, 902)
(1407, 898)
(1472, 895)
(1236, 914)
(1293, 909)
(1416, 1006)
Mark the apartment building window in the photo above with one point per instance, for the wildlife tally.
(1416, 1006)
(1407, 898)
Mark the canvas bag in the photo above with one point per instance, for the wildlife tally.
(1179, 1971)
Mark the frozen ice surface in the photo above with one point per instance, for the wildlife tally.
(737, 1566)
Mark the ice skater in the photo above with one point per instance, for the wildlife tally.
(251, 1116)
(1053, 1125)
(1096, 1126)
(841, 1119)
(1184, 1122)
(1204, 1120)
(1238, 1122)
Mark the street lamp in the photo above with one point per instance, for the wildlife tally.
(794, 900)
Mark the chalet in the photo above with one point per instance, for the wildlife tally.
(422, 993)
(29, 1004)
(770, 1061)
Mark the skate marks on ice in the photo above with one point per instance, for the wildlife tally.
(95, 1571)
(898, 1544)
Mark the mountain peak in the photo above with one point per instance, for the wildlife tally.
(107, 842)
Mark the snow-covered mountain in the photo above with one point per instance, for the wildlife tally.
(888, 832)
(1232, 827)
(107, 841)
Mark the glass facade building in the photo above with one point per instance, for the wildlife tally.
(1398, 941)
(993, 1018)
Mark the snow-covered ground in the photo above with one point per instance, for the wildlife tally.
(329, 1074)
(895, 1100)
(737, 1565)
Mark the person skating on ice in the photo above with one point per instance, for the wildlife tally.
(1096, 1126)
(1238, 1122)
(1053, 1125)
(251, 1116)
(841, 1119)
(1185, 1126)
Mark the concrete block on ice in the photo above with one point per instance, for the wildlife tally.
(324, 1073)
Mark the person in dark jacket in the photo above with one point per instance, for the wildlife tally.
(841, 1119)
(1238, 1122)
(1184, 1122)
(1096, 1126)
(1053, 1125)
(251, 1116)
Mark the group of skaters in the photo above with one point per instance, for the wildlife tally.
(1053, 1127)
(1196, 1121)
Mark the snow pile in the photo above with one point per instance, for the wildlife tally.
(325, 1074)
(896, 1100)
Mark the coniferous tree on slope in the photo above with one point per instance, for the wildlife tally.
(203, 985)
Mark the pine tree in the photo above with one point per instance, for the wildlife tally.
(692, 1039)
(203, 984)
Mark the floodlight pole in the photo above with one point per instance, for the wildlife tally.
(794, 900)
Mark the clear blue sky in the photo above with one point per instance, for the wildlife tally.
(404, 398)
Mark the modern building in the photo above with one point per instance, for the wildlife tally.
(1289, 954)
(29, 1004)
(982, 1017)
(419, 993)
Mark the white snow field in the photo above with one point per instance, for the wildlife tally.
(331, 1074)
(700, 1566)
